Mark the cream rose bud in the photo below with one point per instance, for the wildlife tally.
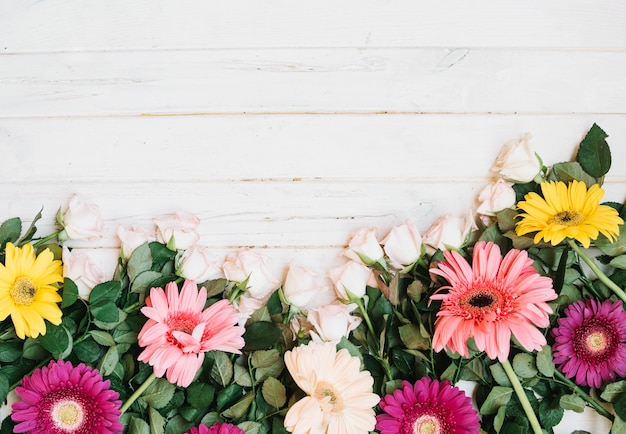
(84, 273)
(449, 232)
(81, 221)
(495, 197)
(198, 264)
(517, 162)
(246, 264)
(365, 247)
(305, 289)
(178, 231)
(350, 279)
(332, 321)
(133, 237)
(403, 245)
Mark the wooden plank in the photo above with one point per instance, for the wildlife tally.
(62, 25)
(433, 80)
(204, 149)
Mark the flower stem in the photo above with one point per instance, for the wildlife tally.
(521, 395)
(594, 267)
(384, 362)
(592, 402)
(148, 381)
(46, 239)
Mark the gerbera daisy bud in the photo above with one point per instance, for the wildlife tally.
(567, 211)
(491, 300)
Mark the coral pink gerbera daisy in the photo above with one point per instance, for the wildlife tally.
(179, 331)
(589, 342)
(491, 300)
(217, 428)
(427, 407)
(61, 399)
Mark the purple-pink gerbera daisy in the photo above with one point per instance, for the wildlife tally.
(491, 300)
(62, 399)
(179, 331)
(589, 342)
(216, 428)
(427, 407)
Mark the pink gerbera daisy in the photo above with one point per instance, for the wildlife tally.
(217, 428)
(63, 399)
(491, 300)
(428, 407)
(589, 342)
(179, 331)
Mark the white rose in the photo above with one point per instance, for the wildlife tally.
(178, 231)
(133, 237)
(84, 273)
(495, 197)
(332, 321)
(449, 232)
(81, 221)
(198, 264)
(403, 245)
(246, 264)
(350, 279)
(364, 247)
(517, 162)
(306, 289)
(246, 305)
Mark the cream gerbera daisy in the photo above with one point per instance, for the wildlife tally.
(567, 211)
(27, 289)
(340, 398)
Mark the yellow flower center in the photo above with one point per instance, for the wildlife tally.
(329, 399)
(23, 291)
(596, 341)
(426, 424)
(67, 414)
(568, 218)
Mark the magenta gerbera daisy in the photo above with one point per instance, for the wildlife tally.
(216, 428)
(589, 342)
(427, 407)
(179, 331)
(63, 399)
(491, 300)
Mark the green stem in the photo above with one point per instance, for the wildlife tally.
(594, 267)
(138, 392)
(521, 395)
(46, 239)
(592, 402)
(370, 327)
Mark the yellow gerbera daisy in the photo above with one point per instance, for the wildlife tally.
(567, 211)
(27, 290)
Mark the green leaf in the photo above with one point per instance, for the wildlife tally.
(619, 262)
(620, 406)
(70, 292)
(200, 395)
(222, 369)
(524, 365)
(274, 393)
(498, 420)
(4, 387)
(250, 427)
(105, 311)
(158, 394)
(242, 376)
(31, 231)
(140, 260)
(228, 396)
(157, 422)
(572, 402)
(619, 426)
(570, 171)
(138, 426)
(550, 413)
(144, 281)
(594, 154)
(498, 397)
(264, 358)
(499, 375)
(102, 337)
(240, 408)
(109, 361)
(56, 340)
(412, 338)
(261, 335)
(613, 390)
(545, 364)
(88, 351)
(613, 248)
(10, 351)
(10, 231)
(107, 291)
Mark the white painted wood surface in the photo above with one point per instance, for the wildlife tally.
(287, 125)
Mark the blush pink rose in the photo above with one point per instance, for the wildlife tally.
(332, 322)
(449, 232)
(83, 272)
(365, 247)
(198, 264)
(133, 237)
(403, 245)
(178, 231)
(517, 162)
(350, 280)
(80, 221)
(246, 264)
(495, 197)
(305, 289)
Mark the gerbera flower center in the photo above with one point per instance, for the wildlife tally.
(482, 302)
(481, 299)
(427, 424)
(183, 322)
(328, 397)
(67, 415)
(567, 218)
(23, 291)
(595, 340)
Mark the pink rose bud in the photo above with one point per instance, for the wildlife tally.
(198, 264)
(495, 197)
(350, 280)
(83, 272)
(517, 162)
(305, 289)
(364, 247)
(80, 221)
(246, 264)
(178, 231)
(133, 237)
(332, 321)
(449, 232)
(403, 245)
